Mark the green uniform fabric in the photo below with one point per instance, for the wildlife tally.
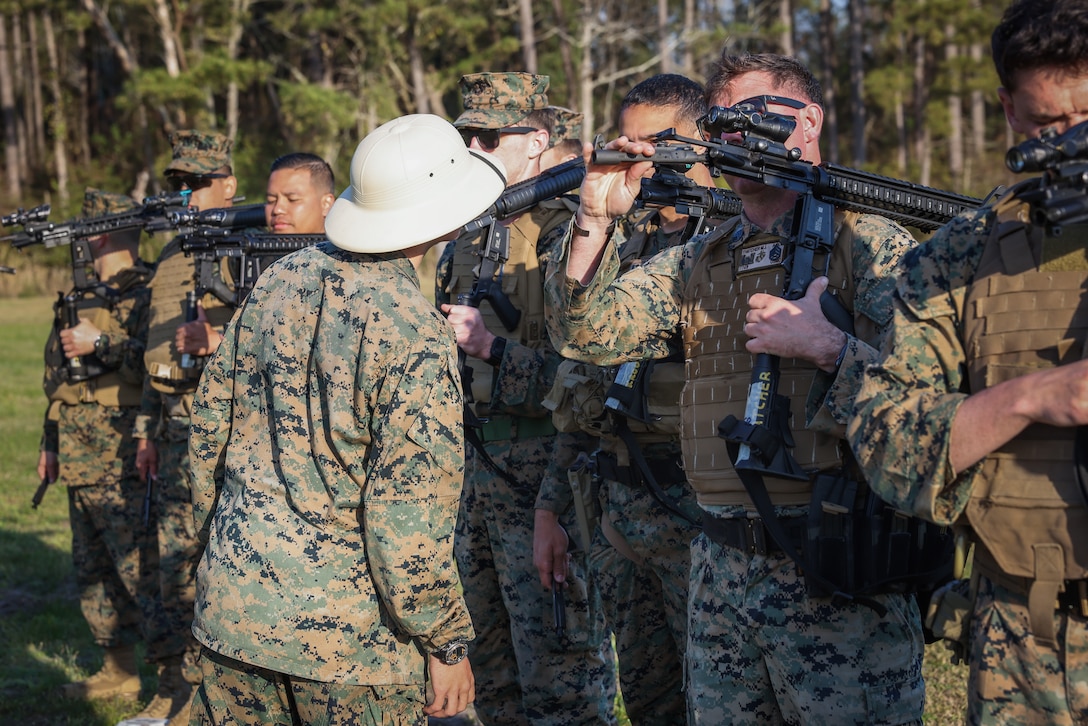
(327, 457)
(917, 387)
(233, 692)
(524, 672)
(112, 547)
(766, 681)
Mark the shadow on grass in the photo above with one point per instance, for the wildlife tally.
(44, 642)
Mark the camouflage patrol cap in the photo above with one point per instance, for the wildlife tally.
(198, 153)
(97, 203)
(495, 100)
(568, 125)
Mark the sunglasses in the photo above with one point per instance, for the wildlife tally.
(193, 182)
(489, 138)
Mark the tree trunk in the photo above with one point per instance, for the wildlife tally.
(58, 127)
(415, 64)
(978, 120)
(785, 22)
(856, 10)
(18, 54)
(7, 112)
(922, 150)
(565, 54)
(585, 71)
(902, 153)
(239, 10)
(827, 71)
(687, 56)
(168, 36)
(528, 34)
(36, 82)
(955, 109)
(667, 65)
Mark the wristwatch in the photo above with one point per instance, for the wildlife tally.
(102, 345)
(452, 653)
(494, 355)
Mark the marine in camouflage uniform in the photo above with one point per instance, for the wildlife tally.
(969, 417)
(202, 163)
(88, 441)
(327, 455)
(640, 557)
(525, 671)
(760, 649)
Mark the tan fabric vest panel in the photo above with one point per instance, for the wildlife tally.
(1020, 317)
(172, 281)
(522, 282)
(719, 367)
(106, 390)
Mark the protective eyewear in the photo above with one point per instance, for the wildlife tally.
(760, 103)
(193, 182)
(489, 138)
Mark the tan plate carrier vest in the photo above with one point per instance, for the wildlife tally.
(719, 368)
(522, 282)
(1029, 519)
(172, 281)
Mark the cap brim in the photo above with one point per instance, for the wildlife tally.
(369, 229)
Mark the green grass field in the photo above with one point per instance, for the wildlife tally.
(43, 639)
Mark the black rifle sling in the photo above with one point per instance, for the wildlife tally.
(660, 495)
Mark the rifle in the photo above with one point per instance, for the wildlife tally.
(1060, 195)
(669, 187)
(220, 223)
(252, 250)
(763, 436)
(153, 215)
(495, 249)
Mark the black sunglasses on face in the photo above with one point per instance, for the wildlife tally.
(193, 182)
(489, 138)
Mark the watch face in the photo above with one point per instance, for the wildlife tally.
(454, 653)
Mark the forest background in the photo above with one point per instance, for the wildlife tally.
(91, 89)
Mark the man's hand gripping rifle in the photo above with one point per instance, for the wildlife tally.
(152, 215)
(763, 439)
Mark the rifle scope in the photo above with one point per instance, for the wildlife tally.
(1049, 149)
(22, 216)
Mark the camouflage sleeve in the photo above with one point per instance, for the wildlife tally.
(555, 493)
(209, 432)
(879, 244)
(412, 492)
(908, 399)
(615, 318)
(150, 412)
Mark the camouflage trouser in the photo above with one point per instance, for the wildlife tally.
(179, 548)
(1017, 680)
(646, 606)
(113, 551)
(233, 692)
(760, 651)
(524, 672)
